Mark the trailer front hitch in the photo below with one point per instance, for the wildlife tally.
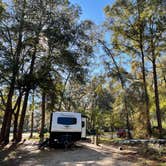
(66, 140)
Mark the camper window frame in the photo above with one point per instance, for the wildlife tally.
(65, 122)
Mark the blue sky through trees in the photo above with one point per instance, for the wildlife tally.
(92, 9)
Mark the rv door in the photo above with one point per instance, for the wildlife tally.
(83, 133)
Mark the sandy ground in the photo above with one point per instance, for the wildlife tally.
(83, 154)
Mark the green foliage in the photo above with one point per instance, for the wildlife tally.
(41, 41)
(2, 8)
(137, 31)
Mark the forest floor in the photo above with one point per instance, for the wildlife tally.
(83, 154)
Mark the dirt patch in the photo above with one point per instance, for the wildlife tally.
(84, 154)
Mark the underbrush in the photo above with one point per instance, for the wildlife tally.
(146, 151)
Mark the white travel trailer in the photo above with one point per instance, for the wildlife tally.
(67, 127)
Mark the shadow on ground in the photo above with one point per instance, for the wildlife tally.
(84, 154)
(31, 155)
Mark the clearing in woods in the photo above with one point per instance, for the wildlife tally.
(83, 154)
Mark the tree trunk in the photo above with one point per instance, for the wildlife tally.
(157, 103)
(15, 126)
(141, 38)
(127, 120)
(32, 116)
(112, 132)
(4, 124)
(63, 91)
(32, 119)
(5, 130)
(16, 115)
(148, 124)
(43, 117)
(7, 134)
(97, 140)
(164, 80)
(21, 124)
(28, 88)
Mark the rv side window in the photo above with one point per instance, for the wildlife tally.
(66, 120)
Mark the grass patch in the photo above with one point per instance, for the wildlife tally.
(106, 140)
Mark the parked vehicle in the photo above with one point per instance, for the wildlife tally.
(121, 133)
(66, 128)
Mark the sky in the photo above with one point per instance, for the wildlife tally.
(93, 9)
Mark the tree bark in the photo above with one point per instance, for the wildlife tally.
(28, 88)
(164, 80)
(129, 136)
(148, 124)
(21, 124)
(141, 38)
(63, 91)
(32, 120)
(157, 103)
(16, 115)
(5, 130)
(43, 117)
(32, 116)
(15, 125)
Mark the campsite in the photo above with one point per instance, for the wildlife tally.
(83, 82)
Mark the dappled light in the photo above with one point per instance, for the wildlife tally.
(83, 82)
